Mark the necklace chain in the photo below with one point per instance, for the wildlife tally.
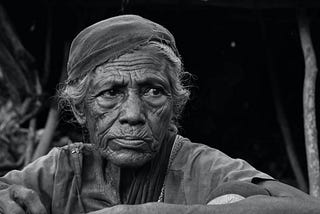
(174, 151)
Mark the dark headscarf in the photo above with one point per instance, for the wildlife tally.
(111, 38)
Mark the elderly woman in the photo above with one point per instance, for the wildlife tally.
(125, 86)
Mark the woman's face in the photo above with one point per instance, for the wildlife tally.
(128, 108)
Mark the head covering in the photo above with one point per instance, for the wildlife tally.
(111, 38)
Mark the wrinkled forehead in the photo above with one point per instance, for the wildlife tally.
(139, 65)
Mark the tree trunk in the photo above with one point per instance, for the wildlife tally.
(310, 128)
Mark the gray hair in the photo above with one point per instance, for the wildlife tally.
(73, 93)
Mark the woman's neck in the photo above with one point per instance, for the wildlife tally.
(141, 184)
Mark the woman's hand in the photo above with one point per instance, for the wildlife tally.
(17, 199)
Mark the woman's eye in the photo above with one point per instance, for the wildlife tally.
(110, 93)
(154, 92)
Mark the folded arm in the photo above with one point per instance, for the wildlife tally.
(283, 199)
(29, 189)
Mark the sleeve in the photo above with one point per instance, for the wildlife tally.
(38, 176)
(204, 169)
(220, 168)
(226, 170)
(238, 170)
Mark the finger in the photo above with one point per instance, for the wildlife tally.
(7, 205)
(33, 203)
(28, 199)
(12, 207)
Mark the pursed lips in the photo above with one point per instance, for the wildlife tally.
(130, 142)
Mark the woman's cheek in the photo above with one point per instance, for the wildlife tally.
(103, 105)
(100, 120)
(106, 120)
(159, 121)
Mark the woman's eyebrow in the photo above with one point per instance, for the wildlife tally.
(106, 85)
(154, 80)
(110, 80)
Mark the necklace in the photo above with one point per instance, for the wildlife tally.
(174, 151)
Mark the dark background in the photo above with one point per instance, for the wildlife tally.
(225, 48)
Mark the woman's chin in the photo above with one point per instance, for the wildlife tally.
(128, 158)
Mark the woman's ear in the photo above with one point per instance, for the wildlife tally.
(78, 111)
(173, 127)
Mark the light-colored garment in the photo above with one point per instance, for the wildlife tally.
(198, 170)
(74, 180)
(226, 199)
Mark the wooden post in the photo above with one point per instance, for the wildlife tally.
(47, 136)
(310, 128)
(280, 111)
(30, 141)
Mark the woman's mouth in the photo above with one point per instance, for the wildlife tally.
(132, 143)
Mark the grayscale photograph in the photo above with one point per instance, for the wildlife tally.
(159, 107)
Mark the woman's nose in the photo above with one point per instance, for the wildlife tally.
(132, 110)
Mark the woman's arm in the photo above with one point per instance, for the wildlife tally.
(30, 188)
(284, 199)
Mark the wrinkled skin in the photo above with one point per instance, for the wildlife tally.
(127, 111)
(19, 200)
(128, 108)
